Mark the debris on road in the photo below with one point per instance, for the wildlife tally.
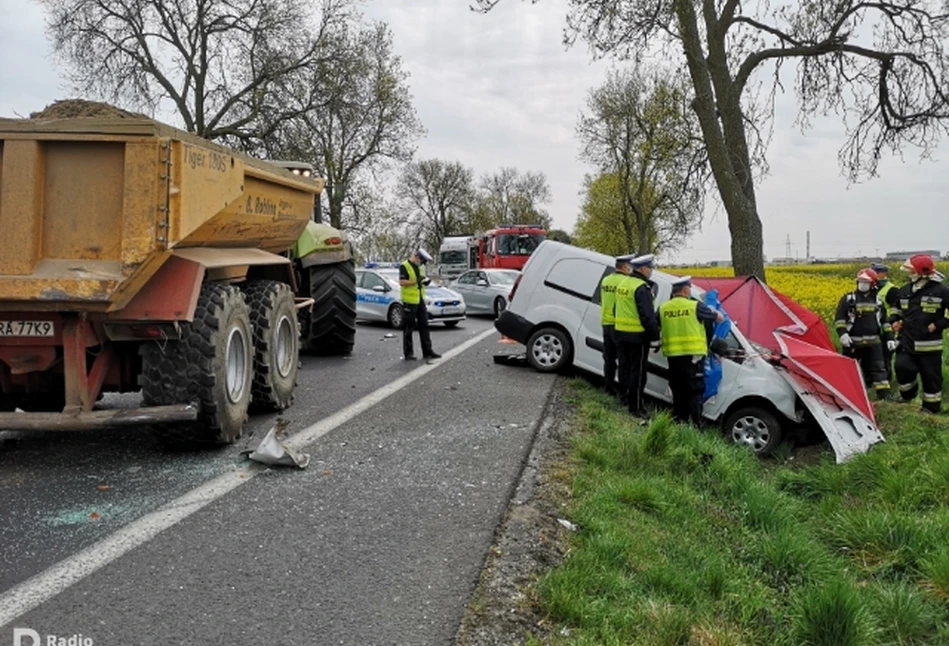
(273, 452)
(516, 360)
(566, 523)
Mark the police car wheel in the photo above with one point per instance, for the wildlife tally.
(396, 315)
(548, 350)
(756, 428)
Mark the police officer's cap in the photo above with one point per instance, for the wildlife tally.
(624, 259)
(648, 260)
(423, 256)
(878, 267)
(683, 281)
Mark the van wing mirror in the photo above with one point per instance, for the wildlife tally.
(720, 347)
(382, 289)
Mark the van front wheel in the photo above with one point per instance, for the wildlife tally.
(548, 350)
(755, 427)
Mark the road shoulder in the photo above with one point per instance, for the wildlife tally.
(529, 541)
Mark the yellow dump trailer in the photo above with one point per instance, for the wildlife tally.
(136, 256)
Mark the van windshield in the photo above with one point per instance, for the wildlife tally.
(453, 257)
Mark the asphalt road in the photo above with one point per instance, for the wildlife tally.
(379, 541)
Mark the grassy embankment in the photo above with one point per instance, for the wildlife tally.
(686, 539)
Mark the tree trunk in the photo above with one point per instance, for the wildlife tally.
(734, 184)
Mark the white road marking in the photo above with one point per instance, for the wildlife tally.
(42, 587)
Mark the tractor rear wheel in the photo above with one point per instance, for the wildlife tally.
(331, 328)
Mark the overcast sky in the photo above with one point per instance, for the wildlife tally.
(500, 90)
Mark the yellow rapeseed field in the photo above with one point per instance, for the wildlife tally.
(817, 287)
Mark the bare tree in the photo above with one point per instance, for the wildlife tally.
(881, 65)
(438, 196)
(219, 63)
(356, 112)
(640, 130)
(510, 197)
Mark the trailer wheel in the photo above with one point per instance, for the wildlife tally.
(212, 365)
(332, 323)
(273, 314)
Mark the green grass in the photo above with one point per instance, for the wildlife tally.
(686, 539)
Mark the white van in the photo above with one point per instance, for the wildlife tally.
(555, 312)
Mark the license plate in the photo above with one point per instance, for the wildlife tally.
(447, 311)
(27, 328)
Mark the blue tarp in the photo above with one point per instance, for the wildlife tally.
(713, 365)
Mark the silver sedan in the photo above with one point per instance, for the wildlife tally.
(486, 290)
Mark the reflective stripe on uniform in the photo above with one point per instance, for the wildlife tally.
(907, 387)
(881, 385)
(928, 346)
(932, 397)
(682, 332)
(866, 340)
(627, 315)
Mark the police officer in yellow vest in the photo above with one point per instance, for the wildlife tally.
(413, 281)
(608, 318)
(686, 328)
(635, 328)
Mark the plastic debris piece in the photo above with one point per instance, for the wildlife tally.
(103, 487)
(272, 451)
(566, 523)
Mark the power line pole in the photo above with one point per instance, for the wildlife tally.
(808, 257)
(787, 247)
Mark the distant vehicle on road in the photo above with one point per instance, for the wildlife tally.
(379, 298)
(486, 291)
(506, 247)
(453, 256)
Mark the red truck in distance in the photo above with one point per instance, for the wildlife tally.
(506, 247)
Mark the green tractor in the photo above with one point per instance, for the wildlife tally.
(326, 272)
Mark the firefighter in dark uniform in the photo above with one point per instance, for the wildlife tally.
(635, 330)
(686, 327)
(921, 319)
(608, 318)
(413, 281)
(865, 332)
(888, 294)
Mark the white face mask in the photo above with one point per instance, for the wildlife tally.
(863, 287)
(913, 277)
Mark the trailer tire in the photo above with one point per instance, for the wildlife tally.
(276, 333)
(332, 322)
(210, 365)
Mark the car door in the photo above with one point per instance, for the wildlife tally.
(463, 287)
(361, 295)
(480, 293)
(578, 280)
(378, 296)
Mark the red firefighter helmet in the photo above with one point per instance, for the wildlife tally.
(920, 264)
(867, 275)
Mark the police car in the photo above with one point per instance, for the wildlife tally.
(378, 297)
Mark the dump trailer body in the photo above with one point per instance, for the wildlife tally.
(111, 229)
(92, 208)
